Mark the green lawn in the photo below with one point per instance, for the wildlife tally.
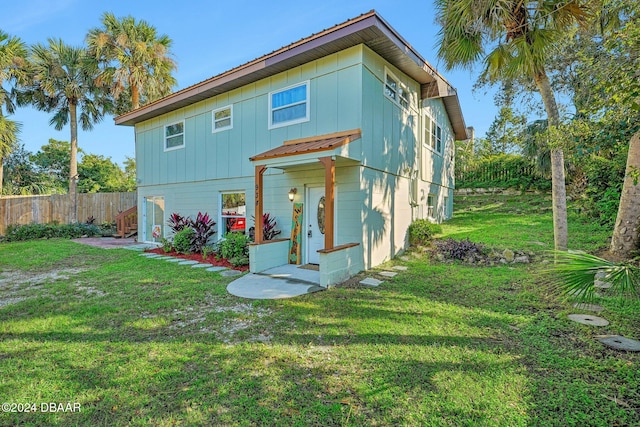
(138, 341)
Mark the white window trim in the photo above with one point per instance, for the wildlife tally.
(433, 133)
(296, 121)
(213, 119)
(402, 86)
(221, 225)
(431, 209)
(177, 147)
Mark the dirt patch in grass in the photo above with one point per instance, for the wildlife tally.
(16, 286)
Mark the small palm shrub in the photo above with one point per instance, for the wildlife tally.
(575, 274)
(421, 231)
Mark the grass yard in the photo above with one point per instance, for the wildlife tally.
(138, 341)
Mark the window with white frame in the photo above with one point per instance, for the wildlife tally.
(174, 136)
(222, 118)
(233, 213)
(432, 134)
(431, 205)
(395, 90)
(289, 105)
(445, 201)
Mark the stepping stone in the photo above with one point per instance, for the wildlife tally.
(589, 307)
(188, 262)
(601, 285)
(388, 273)
(370, 281)
(601, 275)
(405, 258)
(200, 265)
(400, 268)
(230, 273)
(171, 259)
(587, 319)
(148, 255)
(620, 343)
(216, 268)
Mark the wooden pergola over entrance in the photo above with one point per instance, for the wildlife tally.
(303, 148)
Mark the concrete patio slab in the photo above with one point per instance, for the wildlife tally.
(286, 281)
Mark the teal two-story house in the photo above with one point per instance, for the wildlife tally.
(351, 123)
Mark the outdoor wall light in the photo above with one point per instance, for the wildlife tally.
(292, 193)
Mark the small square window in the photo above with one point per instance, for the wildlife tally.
(174, 136)
(222, 119)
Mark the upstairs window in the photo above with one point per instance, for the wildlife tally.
(432, 134)
(289, 106)
(222, 119)
(396, 91)
(174, 136)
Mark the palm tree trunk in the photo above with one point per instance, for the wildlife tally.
(1, 173)
(626, 234)
(558, 189)
(73, 164)
(135, 97)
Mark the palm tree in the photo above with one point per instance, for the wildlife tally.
(63, 82)
(12, 69)
(514, 39)
(134, 60)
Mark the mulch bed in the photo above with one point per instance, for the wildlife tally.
(211, 259)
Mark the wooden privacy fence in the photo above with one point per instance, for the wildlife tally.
(55, 208)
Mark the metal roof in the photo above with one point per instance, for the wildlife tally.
(309, 145)
(368, 29)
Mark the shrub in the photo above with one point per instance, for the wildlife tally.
(458, 249)
(177, 222)
(166, 244)
(268, 227)
(204, 228)
(239, 261)
(421, 231)
(16, 233)
(183, 240)
(234, 245)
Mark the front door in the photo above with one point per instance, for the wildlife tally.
(314, 223)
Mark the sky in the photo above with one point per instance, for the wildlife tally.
(212, 36)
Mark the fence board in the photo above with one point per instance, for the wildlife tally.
(44, 209)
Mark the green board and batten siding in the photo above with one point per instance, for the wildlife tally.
(335, 105)
(346, 92)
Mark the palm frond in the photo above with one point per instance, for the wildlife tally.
(574, 274)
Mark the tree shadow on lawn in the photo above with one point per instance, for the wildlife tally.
(390, 355)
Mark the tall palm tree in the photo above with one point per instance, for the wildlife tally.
(135, 61)
(514, 39)
(63, 83)
(13, 53)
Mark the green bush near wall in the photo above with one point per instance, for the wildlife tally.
(17, 233)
